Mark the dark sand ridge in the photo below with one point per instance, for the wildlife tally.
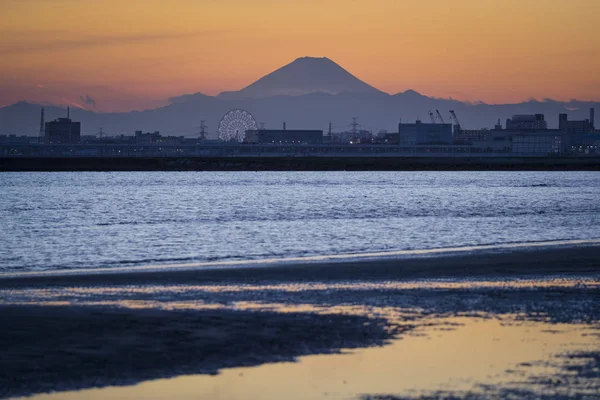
(47, 348)
(552, 260)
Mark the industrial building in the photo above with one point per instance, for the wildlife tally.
(357, 137)
(149, 138)
(583, 144)
(420, 133)
(540, 142)
(578, 127)
(549, 142)
(287, 136)
(468, 136)
(62, 131)
(533, 121)
(525, 135)
(494, 141)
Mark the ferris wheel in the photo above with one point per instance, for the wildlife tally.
(234, 124)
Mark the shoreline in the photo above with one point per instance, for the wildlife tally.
(487, 262)
(390, 255)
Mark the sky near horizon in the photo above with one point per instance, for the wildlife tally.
(119, 55)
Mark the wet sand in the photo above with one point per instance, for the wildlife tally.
(552, 260)
(92, 330)
(53, 348)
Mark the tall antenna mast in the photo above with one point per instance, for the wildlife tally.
(42, 130)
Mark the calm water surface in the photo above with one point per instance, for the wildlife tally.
(476, 354)
(90, 220)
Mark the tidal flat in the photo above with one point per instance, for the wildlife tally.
(515, 324)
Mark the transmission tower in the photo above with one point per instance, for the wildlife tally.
(202, 134)
(354, 126)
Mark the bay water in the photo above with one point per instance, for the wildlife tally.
(79, 220)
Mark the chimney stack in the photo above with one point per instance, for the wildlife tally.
(284, 126)
(592, 112)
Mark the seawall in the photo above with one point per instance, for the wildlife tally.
(298, 164)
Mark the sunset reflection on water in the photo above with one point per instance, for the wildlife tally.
(465, 352)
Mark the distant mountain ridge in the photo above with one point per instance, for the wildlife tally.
(306, 94)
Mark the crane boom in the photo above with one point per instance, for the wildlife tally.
(456, 122)
(455, 118)
(440, 116)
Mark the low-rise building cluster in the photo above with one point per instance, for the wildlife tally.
(525, 135)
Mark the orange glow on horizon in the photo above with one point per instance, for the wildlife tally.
(135, 54)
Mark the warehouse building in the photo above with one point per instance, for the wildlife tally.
(420, 133)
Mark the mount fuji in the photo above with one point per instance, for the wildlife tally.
(308, 93)
(304, 76)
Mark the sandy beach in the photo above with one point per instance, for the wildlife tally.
(65, 332)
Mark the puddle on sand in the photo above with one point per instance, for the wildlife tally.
(478, 351)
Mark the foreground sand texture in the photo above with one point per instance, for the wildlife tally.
(58, 347)
(83, 331)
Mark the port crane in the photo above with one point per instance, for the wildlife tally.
(455, 118)
(440, 116)
(433, 121)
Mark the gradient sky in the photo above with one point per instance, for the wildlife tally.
(134, 54)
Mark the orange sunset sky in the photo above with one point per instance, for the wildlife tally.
(135, 54)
